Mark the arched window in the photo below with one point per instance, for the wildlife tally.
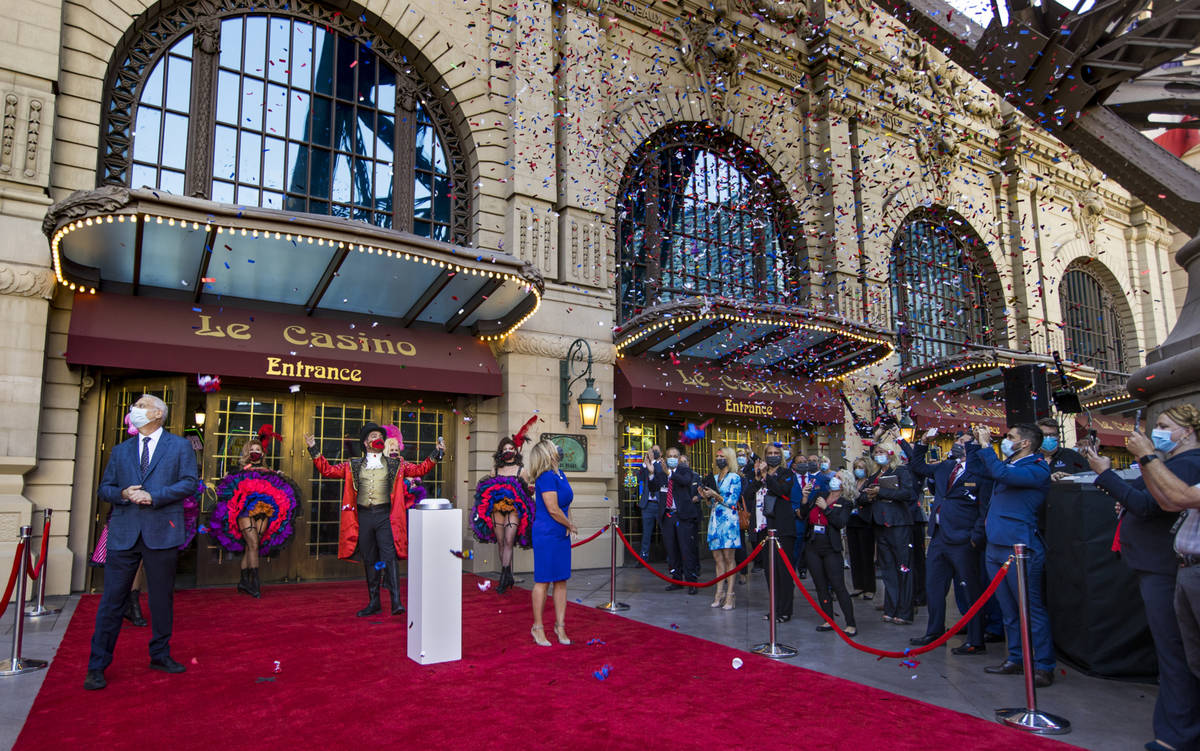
(297, 109)
(1091, 322)
(701, 214)
(939, 300)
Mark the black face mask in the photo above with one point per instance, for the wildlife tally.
(255, 457)
(656, 454)
(508, 456)
(774, 460)
(813, 467)
(958, 450)
(721, 462)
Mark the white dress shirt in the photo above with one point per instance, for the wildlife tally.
(157, 434)
(374, 461)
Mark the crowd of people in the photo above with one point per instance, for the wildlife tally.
(868, 515)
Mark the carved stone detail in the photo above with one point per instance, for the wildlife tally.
(555, 347)
(584, 255)
(8, 135)
(711, 54)
(535, 239)
(86, 384)
(780, 12)
(105, 199)
(32, 136)
(26, 281)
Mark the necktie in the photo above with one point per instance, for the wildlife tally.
(954, 473)
(1116, 543)
(145, 454)
(670, 496)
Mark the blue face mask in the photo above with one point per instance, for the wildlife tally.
(1162, 440)
(787, 455)
(741, 461)
(1049, 443)
(860, 473)
(824, 466)
(1006, 446)
(672, 462)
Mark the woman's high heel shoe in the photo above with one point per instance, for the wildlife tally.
(561, 631)
(539, 636)
(728, 601)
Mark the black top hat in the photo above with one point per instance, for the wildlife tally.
(367, 430)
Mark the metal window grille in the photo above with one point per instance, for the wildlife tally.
(701, 214)
(1092, 327)
(335, 426)
(420, 428)
(939, 303)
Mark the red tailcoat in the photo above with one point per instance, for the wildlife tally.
(348, 530)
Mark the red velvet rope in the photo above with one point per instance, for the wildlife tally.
(36, 571)
(698, 585)
(12, 579)
(881, 653)
(599, 532)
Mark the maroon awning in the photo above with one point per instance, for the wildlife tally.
(956, 411)
(1111, 430)
(149, 334)
(698, 386)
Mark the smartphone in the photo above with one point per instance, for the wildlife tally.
(1137, 422)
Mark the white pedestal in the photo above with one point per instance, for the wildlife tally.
(434, 585)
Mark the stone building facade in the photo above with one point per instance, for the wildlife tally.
(860, 127)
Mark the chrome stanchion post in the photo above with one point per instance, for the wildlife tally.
(18, 664)
(40, 609)
(612, 606)
(772, 648)
(1028, 718)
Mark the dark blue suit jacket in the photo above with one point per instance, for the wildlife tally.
(683, 491)
(652, 478)
(1146, 539)
(958, 512)
(1019, 491)
(170, 478)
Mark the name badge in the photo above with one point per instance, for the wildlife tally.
(819, 529)
(969, 484)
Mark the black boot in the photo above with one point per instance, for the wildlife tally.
(244, 582)
(393, 585)
(255, 585)
(133, 609)
(373, 576)
(506, 579)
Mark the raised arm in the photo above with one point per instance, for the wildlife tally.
(1171, 493)
(917, 463)
(985, 462)
(321, 463)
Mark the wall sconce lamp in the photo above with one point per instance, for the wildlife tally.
(568, 374)
(199, 418)
(908, 428)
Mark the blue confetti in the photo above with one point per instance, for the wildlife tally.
(380, 565)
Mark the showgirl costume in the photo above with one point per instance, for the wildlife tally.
(504, 494)
(257, 493)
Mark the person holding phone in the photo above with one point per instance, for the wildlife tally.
(374, 526)
(1145, 537)
(723, 491)
(652, 477)
(776, 495)
(860, 534)
(1020, 483)
(891, 493)
(827, 509)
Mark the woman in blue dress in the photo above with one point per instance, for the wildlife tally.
(552, 532)
(723, 489)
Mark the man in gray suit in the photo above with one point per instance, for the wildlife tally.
(146, 479)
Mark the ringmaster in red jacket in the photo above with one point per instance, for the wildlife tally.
(374, 527)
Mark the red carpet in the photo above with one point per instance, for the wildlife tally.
(345, 682)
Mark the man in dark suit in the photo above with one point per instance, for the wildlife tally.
(652, 476)
(1018, 493)
(1061, 460)
(679, 519)
(956, 534)
(146, 478)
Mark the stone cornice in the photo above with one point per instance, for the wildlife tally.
(26, 281)
(555, 346)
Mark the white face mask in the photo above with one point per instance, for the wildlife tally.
(835, 484)
(138, 417)
(881, 459)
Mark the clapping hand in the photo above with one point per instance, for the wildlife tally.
(309, 440)
(983, 435)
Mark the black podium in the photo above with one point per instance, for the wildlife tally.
(1096, 611)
